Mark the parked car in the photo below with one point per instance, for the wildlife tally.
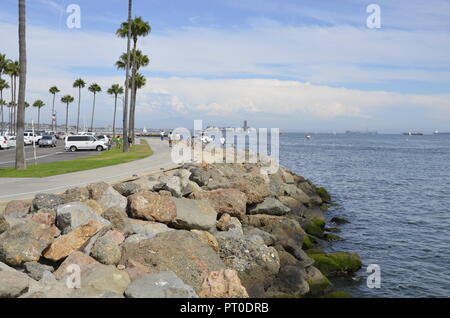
(47, 141)
(3, 143)
(33, 137)
(104, 138)
(77, 142)
(11, 141)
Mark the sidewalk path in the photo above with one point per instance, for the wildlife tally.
(24, 188)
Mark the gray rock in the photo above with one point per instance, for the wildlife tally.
(112, 199)
(75, 194)
(127, 188)
(24, 242)
(135, 238)
(291, 280)
(172, 184)
(148, 229)
(46, 201)
(270, 206)
(74, 214)
(164, 284)
(181, 252)
(268, 238)
(194, 214)
(36, 270)
(119, 220)
(296, 193)
(4, 225)
(13, 284)
(106, 251)
(252, 259)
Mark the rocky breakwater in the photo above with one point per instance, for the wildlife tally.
(210, 230)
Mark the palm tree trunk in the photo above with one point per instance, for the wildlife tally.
(1, 100)
(20, 151)
(53, 114)
(79, 101)
(93, 111)
(126, 146)
(114, 120)
(133, 113)
(39, 118)
(67, 118)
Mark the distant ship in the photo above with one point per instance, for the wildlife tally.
(441, 133)
(355, 132)
(412, 133)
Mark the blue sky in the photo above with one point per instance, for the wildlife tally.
(305, 65)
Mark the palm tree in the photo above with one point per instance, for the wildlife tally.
(53, 90)
(39, 104)
(67, 99)
(2, 104)
(11, 106)
(13, 70)
(3, 63)
(139, 28)
(115, 90)
(79, 83)
(3, 85)
(140, 82)
(20, 151)
(94, 88)
(138, 60)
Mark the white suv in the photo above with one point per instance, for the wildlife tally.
(74, 143)
(4, 143)
(32, 137)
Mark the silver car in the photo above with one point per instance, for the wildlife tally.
(47, 141)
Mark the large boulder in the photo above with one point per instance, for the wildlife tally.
(171, 184)
(319, 285)
(337, 263)
(127, 188)
(99, 280)
(251, 258)
(290, 281)
(224, 283)
(270, 206)
(254, 186)
(13, 284)
(72, 215)
(165, 284)
(46, 201)
(194, 214)
(148, 229)
(66, 244)
(268, 238)
(36, 270)
(75, 194)
(296, 193)
(231, 201)
(119, 220)
(151, 206)
(24, 242)
(178, 251)
(76, 258)
(4, 225)
(207, 238)
(17, 208)
(106, 196)
(287, 232)
(106, 250)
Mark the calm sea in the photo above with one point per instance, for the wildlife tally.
(395, 191)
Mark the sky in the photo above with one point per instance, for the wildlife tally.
(296, 65)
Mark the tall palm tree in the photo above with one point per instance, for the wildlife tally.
(3, 85)
(39, 104)
(2, 104)
(115, 90)
(140, 82)
(94, 88)
(138, 60)
(139, 28)
(20, 151)
(53, 90)
(11, 106)
(3, 63)
(13, 70)
(67, 99)
(79, 83)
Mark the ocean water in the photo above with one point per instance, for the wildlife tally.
(395, 191)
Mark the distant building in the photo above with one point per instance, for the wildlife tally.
(245, 125)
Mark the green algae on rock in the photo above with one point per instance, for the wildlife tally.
(337, 264)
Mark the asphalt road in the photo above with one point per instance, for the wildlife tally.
(8, 156)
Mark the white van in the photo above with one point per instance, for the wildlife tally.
(32, 137)
(77, 142)
(4, 143)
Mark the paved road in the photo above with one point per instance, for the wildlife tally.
(8, 156)
(23, 188)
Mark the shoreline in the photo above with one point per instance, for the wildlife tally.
(252, 234)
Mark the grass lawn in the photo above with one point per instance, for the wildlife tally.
(106, 158)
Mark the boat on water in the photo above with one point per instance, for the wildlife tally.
(413, 133)
(436, 132)
(308, 137)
